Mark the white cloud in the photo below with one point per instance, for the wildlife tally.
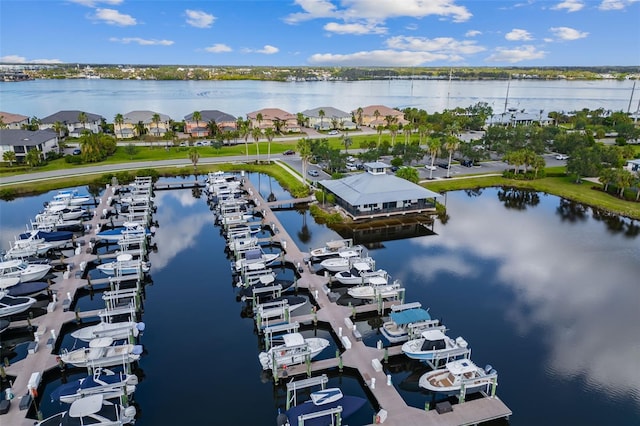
(615, 4)
(199, 19)
(518, 54)
(472, 33)
(141, 41)
(378, 10)
(411, 27)
(113, 17)
(93, 3)
(569, 5)
(357, 29)
(381, 58)
(218, 48)
(15, 59)
(267, 50)
(439, 44)
(566, 33)
(517, 34)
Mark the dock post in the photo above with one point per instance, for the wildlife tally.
(340, 365)
(386, 355)
(308, 363)
(427, 406)
(462, 393)
(78, 319)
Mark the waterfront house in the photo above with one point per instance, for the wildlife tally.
(330, 118)
(633, 165)
(76, 122)
(280, 120)
(378, 115)
(513, 117)
(200, 127)
(13, 121)
(133, 120)
(376, 193)
(23, 141)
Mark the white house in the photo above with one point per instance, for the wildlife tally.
(23, 141)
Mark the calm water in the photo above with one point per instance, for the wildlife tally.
(41, 98)
(544, 290)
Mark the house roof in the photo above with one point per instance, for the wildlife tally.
(271, 114)
(15, 137)
(145, 116)
(9, 118)
(329, 113)
(70, 116)
(383, 110)
(367, 188)
(211, 115)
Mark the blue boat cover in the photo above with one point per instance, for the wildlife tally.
(410, 316)
(350, 404)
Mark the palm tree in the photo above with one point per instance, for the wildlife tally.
(304, 148)
(245, 133)
(433, 145)
(393, 129)
(140, 129)
(407, 130)
(3, 125)
(82, 118)
(451, 144)
(257, 134)
(379, 129)
(321, 115)
(259, 118)
(59, 128)
(33, 157)
(9, 156)
(197, 117)
(376, 115)
(119, 121)
(155, 119)
(194, 156)
(269, 133)
(359, 113)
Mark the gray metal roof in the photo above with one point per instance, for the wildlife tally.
(367, 188)
(70, 116)
(15, 137)
(329, 113)
(211, 115)
(145, 116)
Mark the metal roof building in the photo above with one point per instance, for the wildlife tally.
(375, 193)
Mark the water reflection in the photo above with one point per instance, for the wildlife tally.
(518, 199)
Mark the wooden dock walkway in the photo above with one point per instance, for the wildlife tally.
(361, 357)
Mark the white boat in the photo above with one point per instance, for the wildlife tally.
(406, 321)
(128, 229)
(458, 376)
(331, 248)
(67, 212)
(54, 222)
(70, 197)
(242, 243)
(255, 255)
(6, 282)
(435, 345)
(101, 353)
(28, 248)
(104, 382)
(92, 410)
(359, 273)
(11, 305)
(296, 349)
(344, 260)
(124, 264)
(378, 287)
(24, 270)
(115, 330)
(318, 409)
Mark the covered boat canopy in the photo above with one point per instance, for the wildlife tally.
(461, 366)
(410, 316)
(86, 406)
(433, 335)
(377, 280)
(293, 339)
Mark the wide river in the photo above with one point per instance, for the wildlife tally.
(544, 290)
(41, 98)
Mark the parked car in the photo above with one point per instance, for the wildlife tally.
(77, 151)
(313, 172)
(289, 152)
(429, 167)
(333, 132)
(467, 163)
(562, 157)
(443, 165)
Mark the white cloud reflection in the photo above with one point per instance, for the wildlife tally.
(586, 298)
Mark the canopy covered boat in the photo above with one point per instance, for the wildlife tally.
(457, 376)
(331, 248)
(377, 287)
(255, 255)
(27, 248)
(30, 288)
(24, 270)
(128, 229)
(114, 330)
(406, 321)
(295, 350)
(320, 401)
(124, 264)
(345, 259)
(92, 410)
(104, 382)
(49, 236)
(359, 273)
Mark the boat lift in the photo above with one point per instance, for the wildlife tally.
(277, 329)
(321, 381)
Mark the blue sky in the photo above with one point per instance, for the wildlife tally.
(322, 32)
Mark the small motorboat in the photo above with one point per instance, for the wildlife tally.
(124, 264)
(296, 349)
(344, 260)
(92, 410)
(434, 345)
(408, 320)
(114, 330)
(459, 374)
(11, 305)
(377, 287)
(24, 270)
(128, 229)
(30, 288)
(331, 248)
(104, 382)
(101, 353)
(359, 273)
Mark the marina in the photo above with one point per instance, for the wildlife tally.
(389, 356)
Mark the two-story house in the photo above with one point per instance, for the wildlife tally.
(327, 118)
(153, 123)
(13, 121)
(75, 121)
(280, 120)
(23, 141)
(378, 115)
(200, 126)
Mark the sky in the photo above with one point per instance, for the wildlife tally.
(398, 33)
